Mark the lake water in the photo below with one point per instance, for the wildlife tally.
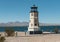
(25, 28)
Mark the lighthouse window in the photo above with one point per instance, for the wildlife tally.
(36, 15)
(31, 24)
(31, 14)
(35, 24)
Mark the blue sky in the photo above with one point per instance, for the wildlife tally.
(18, 10)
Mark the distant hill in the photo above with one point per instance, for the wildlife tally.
(23, 24)
(14, 24)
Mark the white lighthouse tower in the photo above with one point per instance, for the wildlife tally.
(34, 22)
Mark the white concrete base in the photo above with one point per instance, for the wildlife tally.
(33, 29)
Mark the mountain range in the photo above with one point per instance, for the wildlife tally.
(24, 24)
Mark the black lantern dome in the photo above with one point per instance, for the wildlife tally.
(34, 8)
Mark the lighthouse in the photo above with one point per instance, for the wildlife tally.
(34, 22)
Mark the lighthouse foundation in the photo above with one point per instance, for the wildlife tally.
(34, 31)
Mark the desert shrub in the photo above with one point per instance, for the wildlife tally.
(56, 30)
(2, 39)
(10, 32)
